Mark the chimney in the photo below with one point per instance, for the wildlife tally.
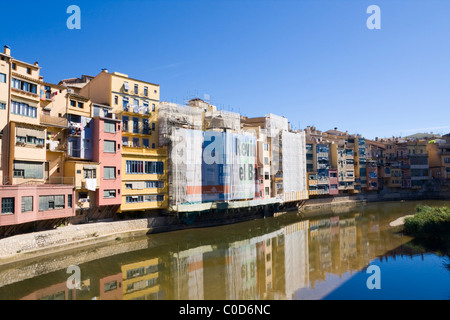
(7, 51)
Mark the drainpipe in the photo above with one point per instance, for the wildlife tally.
(7, 51)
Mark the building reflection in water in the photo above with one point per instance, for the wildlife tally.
(273, 265)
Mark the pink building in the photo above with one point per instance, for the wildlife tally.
(334, 184)
(107, 141)
(22, 204)
(372, 175)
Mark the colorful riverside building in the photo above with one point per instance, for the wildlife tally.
(34, 191)
(58, 152)
(439, 159)
(144, 163)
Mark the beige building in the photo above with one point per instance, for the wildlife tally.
(144, 163)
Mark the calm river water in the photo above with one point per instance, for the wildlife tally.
(324, 254)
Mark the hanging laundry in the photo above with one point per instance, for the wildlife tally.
(91, 184)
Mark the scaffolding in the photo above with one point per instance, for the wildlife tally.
(171, 115)
(222, 120)
(185, 166)
(294, 166)
(208, 166)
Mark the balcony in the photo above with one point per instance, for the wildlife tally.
(75, 129)
(53, 121)
(55, 146)
(21, 181)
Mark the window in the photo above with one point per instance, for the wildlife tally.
(28, 170)
(134, 199)
(154, 198)
(82, 195)
(136, 142)
(116, 99)
(153, 107)
(73, 103)
(154, 167)
(134, 167)
(80, 105)
(23, 109)
(69, 201)
(14, 66)
(109, 146)
(7, 205)
(2, 78)
(90, 173)
(51, 202)
(108, 194)
(154, 184)
(126, 86)
(24, 86)
(153, 126)
(125, 123)
(110, 127)
(145, 143)
(153, 146)
(266, 176)
(146, 91)
(146, 126)
(2, 106)
(109, 173)
(29, 70)
(135, 125)
(267, 190)
(125, 103)
(136, 89)
(30, 140)
(125, 141)
(446, 160)
(27, 204)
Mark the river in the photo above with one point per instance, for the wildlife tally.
(339, 253)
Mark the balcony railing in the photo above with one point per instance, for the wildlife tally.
(53, 121)
(21, 181)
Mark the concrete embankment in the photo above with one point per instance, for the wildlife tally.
(26, 246)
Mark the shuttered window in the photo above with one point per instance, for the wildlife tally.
(109, 173)
(27, 204)
(110, 127)
(51, 202)
(29, 170)
(107, 194)
(109, 146)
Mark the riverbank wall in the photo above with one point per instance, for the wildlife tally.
(30, 245)
(26, 246)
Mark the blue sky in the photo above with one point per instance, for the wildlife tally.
(313, 61)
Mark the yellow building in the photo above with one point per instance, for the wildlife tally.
(26, 136)
(54, 117)
(140, 280)
(144, 163)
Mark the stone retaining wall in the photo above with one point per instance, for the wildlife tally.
(61, 237)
